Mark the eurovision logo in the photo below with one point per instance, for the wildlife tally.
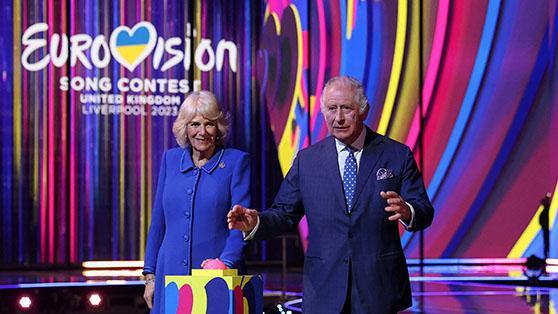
(131, 46)
(128, 46)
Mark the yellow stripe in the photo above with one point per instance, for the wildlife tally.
(553, 207)
(197, 27)
(122, 175)
(396, 66)
(408, 99)
(349, 26)
(215, 272)
(36, 127)
(16, 100)
(275, 17)
(277, 22)
(266, 13)
(286, 149)
(533, 228)
(527, 236)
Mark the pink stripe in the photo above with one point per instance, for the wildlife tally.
(321, 62)
(51, 143)
(63, 145)
(73, 131)
(122, 127)
(432, 70)
(305, 50)
(414, 131)
(436, 55)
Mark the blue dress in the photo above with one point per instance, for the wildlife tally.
(189, 217)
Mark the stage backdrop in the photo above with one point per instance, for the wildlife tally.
(90, 90)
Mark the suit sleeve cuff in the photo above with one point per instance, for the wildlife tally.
(250, 236)
(410, 225)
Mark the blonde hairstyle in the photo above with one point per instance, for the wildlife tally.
(348, 81)
(201, 103)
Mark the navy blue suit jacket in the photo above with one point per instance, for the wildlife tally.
(364, 240)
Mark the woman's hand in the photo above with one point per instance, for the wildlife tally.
(149, 290)
(213, 263)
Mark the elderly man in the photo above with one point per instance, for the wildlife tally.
(353, 187)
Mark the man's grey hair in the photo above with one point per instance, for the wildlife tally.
(344, 80)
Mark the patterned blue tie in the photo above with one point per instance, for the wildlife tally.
(349, 178)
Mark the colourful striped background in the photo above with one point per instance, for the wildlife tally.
(470, 86)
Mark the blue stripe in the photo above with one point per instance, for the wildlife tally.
(507, 146)
(115, 150)
(343, 15)
(372, 79)
(6, 123)
(479, 68)
(248, 74)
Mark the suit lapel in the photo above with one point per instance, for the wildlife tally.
(371, 154)
(332, 165)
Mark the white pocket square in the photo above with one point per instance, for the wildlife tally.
(384, 173)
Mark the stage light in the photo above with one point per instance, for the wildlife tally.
(25, 302)
(94, 299)
(112, 273)
(112, 264)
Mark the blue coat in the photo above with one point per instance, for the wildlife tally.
(189, 219)
(364, 240)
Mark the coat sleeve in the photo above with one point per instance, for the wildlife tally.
(414, 192)
(287, 209)
(233, 251)
(157, 228)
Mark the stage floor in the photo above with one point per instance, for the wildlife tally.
(436, 289)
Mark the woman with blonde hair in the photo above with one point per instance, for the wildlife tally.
(198, 184)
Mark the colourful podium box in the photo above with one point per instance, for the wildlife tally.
(214, 291)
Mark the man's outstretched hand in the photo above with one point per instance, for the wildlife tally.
(241, 218)
(397, 206)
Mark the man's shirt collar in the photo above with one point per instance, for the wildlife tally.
(357, 145)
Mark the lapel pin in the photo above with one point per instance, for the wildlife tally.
(222, 165)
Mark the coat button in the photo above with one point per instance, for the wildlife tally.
(185, 262)
(186, 238)
(196, 171)
(189, 191)
(187, 214)
(346, 260)
(350, 235)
